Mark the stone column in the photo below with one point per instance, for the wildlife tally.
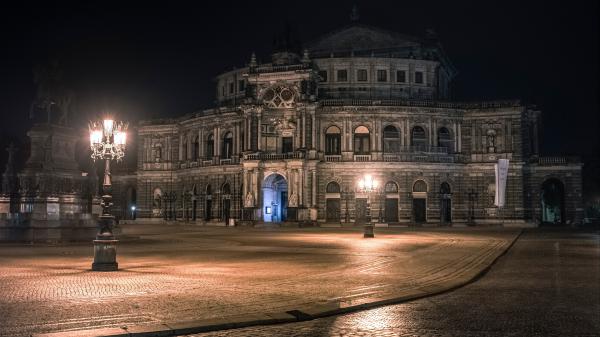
(459, 146)
(180, 147)
(236, 138)
(258, 133)
(408, 143)
(304, 129)
(201, 144)
(313, 200)
(314, 131)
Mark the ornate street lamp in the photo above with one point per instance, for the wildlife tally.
(107, 142)
(367, 185)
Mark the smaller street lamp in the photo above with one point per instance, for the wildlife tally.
(107, 142)
(367, 185)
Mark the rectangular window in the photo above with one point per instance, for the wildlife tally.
(401, 76)
(323, 75)
(342, 75)
(419, 77)
(241, 85)
(287, 145)
(361, 75)
(231, 88)
(381, 75)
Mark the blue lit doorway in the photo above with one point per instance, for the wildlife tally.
(274, 198)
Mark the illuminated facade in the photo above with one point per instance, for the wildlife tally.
(289, 140)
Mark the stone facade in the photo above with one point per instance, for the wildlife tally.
(289, 140)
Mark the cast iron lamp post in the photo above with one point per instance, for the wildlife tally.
(367, 185)
(107, 142)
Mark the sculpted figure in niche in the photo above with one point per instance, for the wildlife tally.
(249, 202)
(491, 141)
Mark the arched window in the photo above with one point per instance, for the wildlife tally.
(391, 187)
(208, 203)
(333, 187)
(196, 153)
(210, 146)
(226, 190)
(227, 146)
(391, 139)
(445, 188)
(420, 186)
(333, 140)
(362, 144)
(418, 138)
(445, 139)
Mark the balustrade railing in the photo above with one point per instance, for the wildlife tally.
(557, 160)
(274, 156)
(333, 158)
(420, 103)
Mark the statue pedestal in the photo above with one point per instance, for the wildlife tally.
(105, 255)
(105, 246)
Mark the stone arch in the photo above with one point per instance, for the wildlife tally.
(445, 139)
(362, 140)
(420, 185)
(391, 199)
(391, 139)
(419, 138)
(419, 198)
(333, 140)
(227, 145)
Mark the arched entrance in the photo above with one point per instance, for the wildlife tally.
(274, 198)
(332, 202)
(445, 203)
(553, 202)
(391, 202)
(208, 203)
(226, 203)
(419, 195)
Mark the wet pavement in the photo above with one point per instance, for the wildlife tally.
(546, 285)
(188, 273)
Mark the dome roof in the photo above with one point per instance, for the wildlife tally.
(360, 38)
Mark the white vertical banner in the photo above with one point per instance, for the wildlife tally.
(501, 170)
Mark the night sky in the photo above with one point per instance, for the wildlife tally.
(150, 60)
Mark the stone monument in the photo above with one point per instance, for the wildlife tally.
(48, 200)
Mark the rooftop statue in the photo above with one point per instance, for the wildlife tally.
(52, 97)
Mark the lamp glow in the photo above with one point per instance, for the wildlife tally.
(108, 126)
(120, 138)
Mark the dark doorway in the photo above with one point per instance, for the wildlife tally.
(361, 211)
(445, 203)
(391, 210)
(332, 213)
(419, 210)
(226, 210)
(208, 204)
(446, 210)
(283, 202)
(553, 202)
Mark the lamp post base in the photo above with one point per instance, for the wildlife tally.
(105, 255)
(368, 231)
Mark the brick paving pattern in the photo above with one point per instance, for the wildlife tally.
(178, 274)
